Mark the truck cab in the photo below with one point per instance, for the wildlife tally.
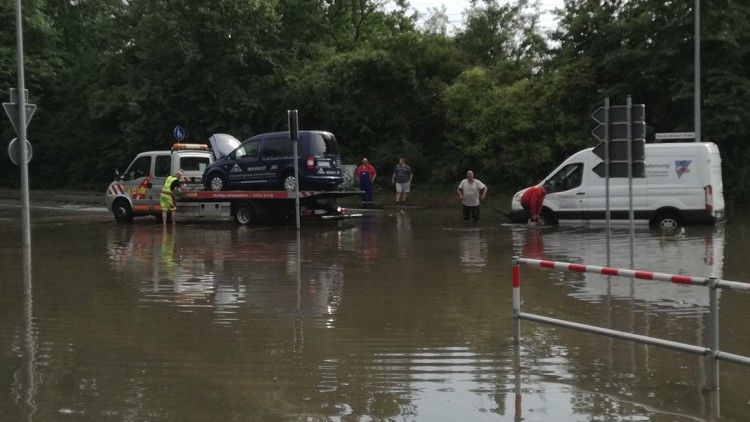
(137, 191)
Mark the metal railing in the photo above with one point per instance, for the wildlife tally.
(711, 351)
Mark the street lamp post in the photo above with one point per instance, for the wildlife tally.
(697, 73)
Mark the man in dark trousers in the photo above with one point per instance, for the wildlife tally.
(470, 192)
(366, 175)
(532, 201)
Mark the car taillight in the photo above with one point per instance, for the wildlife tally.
(310, 163)
(709, 198)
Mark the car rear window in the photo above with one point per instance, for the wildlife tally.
(324, 144)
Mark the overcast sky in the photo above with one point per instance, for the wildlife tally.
(455, 7)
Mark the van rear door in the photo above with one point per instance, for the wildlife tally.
(325, 153)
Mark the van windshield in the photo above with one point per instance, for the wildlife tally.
(567, 178)
(324, 144)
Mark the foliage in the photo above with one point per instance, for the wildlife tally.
(112, 78)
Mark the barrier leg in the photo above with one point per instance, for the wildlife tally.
(713, 334)
(516, 301)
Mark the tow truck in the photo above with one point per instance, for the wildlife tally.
(137, 191)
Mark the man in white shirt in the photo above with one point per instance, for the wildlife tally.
(470, 190)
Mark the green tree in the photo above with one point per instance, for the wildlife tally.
(42, 61)
(645, 49)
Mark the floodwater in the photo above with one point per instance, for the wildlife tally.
(390, 317)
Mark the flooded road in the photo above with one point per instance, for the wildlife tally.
(395, 316)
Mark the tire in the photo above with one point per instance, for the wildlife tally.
(122, 211)
(245, 214)
(289, 182)
(667, 221)
(216, 182)
(547, 218)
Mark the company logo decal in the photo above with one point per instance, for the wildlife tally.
(236, 169)
(682, 167)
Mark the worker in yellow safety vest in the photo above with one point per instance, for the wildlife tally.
(167, 196)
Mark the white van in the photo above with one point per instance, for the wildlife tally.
(682, 186)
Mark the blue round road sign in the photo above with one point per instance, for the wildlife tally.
(179, 133)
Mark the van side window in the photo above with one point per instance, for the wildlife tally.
(141, 167)
(248, 150)
(567, 178)
(278, 147)
(163, 166)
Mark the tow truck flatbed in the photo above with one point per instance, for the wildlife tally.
(232, 195)
(247, 207)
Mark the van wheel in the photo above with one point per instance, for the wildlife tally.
(122, 211)
(244, 214)
(667, 221)
(289, 182)
(216, 182)
(547, 218)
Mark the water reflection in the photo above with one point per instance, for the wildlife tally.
(403, 235)
(24, 385)
(167, 271)
(473, 253)
(393, 317)
(368, 240)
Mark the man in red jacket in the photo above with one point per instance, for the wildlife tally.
(532, 201)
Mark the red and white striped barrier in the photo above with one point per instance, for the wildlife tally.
(643, 275)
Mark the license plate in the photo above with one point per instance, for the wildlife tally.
(324, 164)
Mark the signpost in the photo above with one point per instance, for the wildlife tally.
(622, 132)
(294, 136)
(20, 120)
(624, 137)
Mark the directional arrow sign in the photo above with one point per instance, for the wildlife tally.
(620, 131)
(618, 150)
(619, 170)
(619, 114)
(12, 110)
(599, 150)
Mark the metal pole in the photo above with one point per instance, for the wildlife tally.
(606, 159)
(23, 154)
(631, 214)
(697, 73)
(296, 183)
(516, 301)
(713, 334)
(294, 136)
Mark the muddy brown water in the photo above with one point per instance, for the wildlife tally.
(390, 317)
